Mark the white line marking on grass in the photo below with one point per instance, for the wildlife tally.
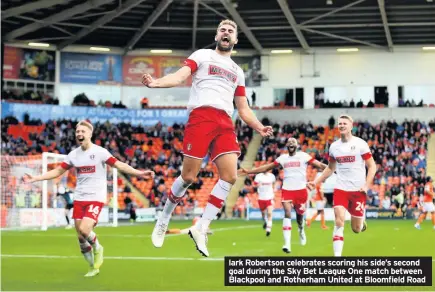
(41, 256)
(73, 234)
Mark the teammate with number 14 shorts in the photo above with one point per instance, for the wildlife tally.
(90, 161)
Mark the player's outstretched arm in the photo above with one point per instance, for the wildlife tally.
(327, 172)
(261, 169)
(250, 119)
(170, 80)
(319, 165)
(58, 171)
(127, 169)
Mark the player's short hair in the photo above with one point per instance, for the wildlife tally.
(229, 22)
(85, 124)
(347, 117)
(292, 138)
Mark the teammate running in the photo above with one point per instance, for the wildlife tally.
(265, 186)
(91, 191)
(294, 191)
(348, 156)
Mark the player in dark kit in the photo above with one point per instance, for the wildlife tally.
(66, 194)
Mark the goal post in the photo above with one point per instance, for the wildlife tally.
(37, 205)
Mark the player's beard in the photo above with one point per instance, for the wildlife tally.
(291, 150)
(222, 48)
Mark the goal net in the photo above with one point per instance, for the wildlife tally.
(40, 205)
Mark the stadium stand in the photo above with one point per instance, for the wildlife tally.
(158, 148)
(399, 150)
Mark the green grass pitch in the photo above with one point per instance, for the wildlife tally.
(51, 260)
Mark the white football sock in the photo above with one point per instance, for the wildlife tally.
(86, 250)
(286, 230)
(214, 205)
(338, 240)
(177, 192)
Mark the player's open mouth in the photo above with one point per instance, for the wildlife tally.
(80, 139)
(225, 41)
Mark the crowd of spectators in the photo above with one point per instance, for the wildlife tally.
(135, 145)
(15, 95)
(399, 150)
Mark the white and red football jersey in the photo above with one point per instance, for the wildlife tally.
(295, 170)
(350, 157)
(216, 80)
(265, 185)
(91, 172)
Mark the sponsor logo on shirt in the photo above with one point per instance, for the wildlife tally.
(292, 164)
(86, 169)
(215, 70)
(345, 159)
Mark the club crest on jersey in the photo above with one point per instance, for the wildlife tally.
(189, 147)
(345, 159)
(352, 148)
(218, 71)
(92, 156)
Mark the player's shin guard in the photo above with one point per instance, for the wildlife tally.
(338, 240)
(286, 231)
(215, 203)
(86, 250)
(175, 195)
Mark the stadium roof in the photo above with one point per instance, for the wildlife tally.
(187, 24)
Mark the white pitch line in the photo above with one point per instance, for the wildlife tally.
(41, 256)
(121, 235)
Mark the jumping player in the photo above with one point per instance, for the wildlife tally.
(265, 186)
(91, 191)
(217, 82)
(428, 205)
(348, 156)
(294, 191)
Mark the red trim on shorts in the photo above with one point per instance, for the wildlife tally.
(287, 228)
(240, 91)
(366, 156)
(191, 64)
(111, 161)
(215, 201)
(65, 166)
(337, 238)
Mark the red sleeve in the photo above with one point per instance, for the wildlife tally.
(276, 162)
(367, 155)
(240, 91)
(65, 166)
(191, 64)
(311, 160)
(111, 161)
